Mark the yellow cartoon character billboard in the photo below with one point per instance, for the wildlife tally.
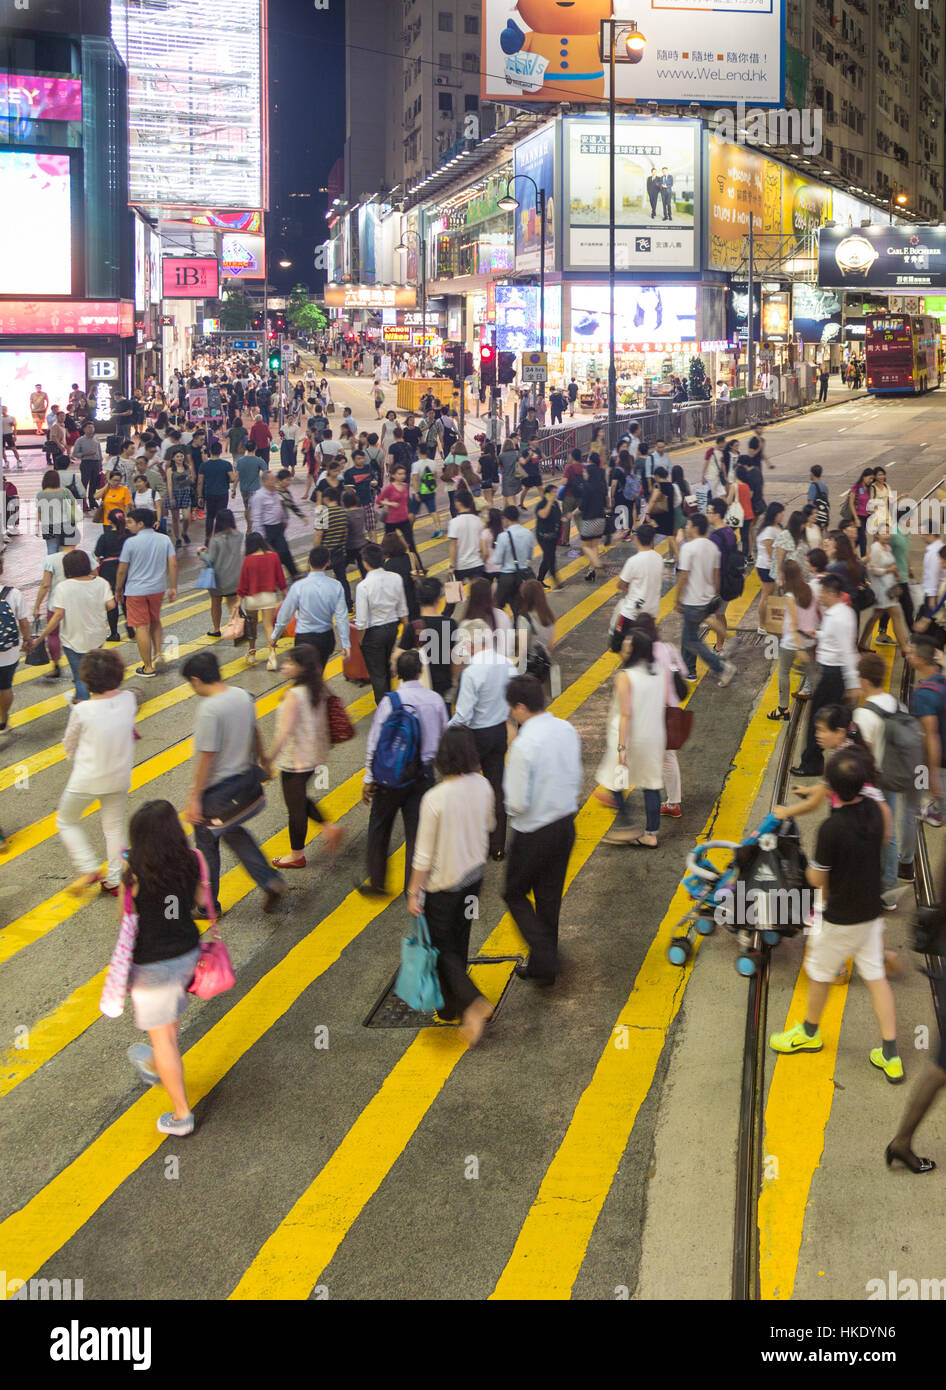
(561, 53)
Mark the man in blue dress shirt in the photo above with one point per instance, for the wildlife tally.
(542, 785)
(316, 600)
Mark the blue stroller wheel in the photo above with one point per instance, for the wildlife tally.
(678, 952)
(771, 938)
(747, 966)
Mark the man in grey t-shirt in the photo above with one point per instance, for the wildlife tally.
(227, 747)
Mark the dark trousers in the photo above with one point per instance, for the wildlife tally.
(507, 591)
(556, 415)
(448, 921)
(823, 390)
(385, 804)
(538, 861)
(340, 571)
(828, 691)
(491, 746)
(323, 642)
(549, 558)
(241, 843)
(276, 535)
(89, 470)
(214, 502)
(377, 644)
(301, 807)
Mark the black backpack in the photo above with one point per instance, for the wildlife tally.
(731, 573)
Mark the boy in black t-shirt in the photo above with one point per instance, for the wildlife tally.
(847, 869)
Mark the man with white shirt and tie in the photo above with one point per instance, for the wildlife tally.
(839, 680)
(542, 785)
(380, 605)
(483, 708)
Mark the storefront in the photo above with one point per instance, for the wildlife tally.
(58, 344)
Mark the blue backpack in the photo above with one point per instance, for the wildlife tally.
(396, 761)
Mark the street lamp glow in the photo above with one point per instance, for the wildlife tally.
(636, 43)
(508, 203)
(285, 264)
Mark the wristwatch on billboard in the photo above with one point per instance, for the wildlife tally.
(855, 255)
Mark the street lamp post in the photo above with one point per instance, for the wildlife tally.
(509, 203)
(634, 43)
(422, 280)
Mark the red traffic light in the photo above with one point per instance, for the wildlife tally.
(487, 353)
(272, 333)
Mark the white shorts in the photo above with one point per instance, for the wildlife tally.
(830, 945)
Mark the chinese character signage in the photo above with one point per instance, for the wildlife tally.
(696, 50)
(190, 277)
(656, 180)
(881, 257)
(67, 317)
(370, 296)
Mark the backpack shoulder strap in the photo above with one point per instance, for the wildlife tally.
(396, 701)
(884, 714)
(4, 591)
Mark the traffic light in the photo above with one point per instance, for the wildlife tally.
(487, 365)
(467, 365)
(275, 359)
(507, 368)
(455, 355)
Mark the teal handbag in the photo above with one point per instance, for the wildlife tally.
(206, 579)
(417, 983)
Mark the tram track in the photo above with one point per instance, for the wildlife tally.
(745, 1284)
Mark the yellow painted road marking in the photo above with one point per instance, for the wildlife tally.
(797, 1111)
(551, 1245)
(50, 1034)
(32, 673)
(305, 1242)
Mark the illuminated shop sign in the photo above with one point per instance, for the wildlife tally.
(70, 317)
(190, 277)
(40, 98)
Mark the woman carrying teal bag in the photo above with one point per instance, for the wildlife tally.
(450, 853)
(417, 982)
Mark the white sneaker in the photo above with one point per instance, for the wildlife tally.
(728, 671)
(889, 901)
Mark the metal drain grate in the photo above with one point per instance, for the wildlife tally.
(391, 1012)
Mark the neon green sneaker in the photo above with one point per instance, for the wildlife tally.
(892, 1067)
(796, 1040)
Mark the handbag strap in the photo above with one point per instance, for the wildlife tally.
(209, 897)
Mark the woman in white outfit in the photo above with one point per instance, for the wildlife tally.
(99, 739)
(636, 740)
(668, 660)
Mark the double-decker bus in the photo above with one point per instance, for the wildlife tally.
(902, 353)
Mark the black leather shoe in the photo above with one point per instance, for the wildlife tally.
(525, 973)
(367, 891)
(906, 871)
(800, 771)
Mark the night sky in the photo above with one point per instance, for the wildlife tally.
(307, 130)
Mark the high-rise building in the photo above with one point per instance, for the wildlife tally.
(875, 69)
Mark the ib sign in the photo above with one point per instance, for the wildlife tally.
(190, 277)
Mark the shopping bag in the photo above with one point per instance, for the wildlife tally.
(213, 973)
(39, 656)
(233, 628)
(206, 579)
(417, 983)
(115, 987)
(354, 668)
(679, 725)
(340, 727)
(453, 591)
(775, 616)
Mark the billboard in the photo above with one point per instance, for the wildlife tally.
(741, 183)
(25, 99)
(72, 317)
(883, 257)
(370, 297)
(535, 159)
(53, 371)
(243, 257)
(517, 318)
(718, 51)
(642, 314)
(36, 228)
(656, 170)
(250, 222)
(141, 261)
(195, 101)
(190, 277)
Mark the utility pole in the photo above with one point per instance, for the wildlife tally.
(610, 25)
(750, 340)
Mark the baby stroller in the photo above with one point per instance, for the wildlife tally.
(760, 895)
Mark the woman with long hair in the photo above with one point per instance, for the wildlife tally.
(397, 561)
(885, 581)
(764, 557)
(668, 660)
(455, 822)
(261, 587)
(161, 869)
(181, 491)
(225, 557)
(492, 530)
(681, 490)
(535, 631)
(860, 499)
(108, 549)
(790, 544)
(301, 747)
(799, 635)
(489, 470)
(393, 503)
(592, 508)
(636, 740)
(879, 506)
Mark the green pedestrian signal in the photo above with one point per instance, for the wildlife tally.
(275, 360)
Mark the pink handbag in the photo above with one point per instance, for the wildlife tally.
(115, 987)
(214, 971)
